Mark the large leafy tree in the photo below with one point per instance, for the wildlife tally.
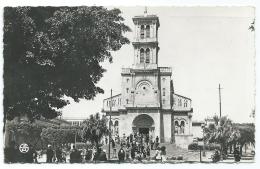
(60, 135)
(94, 128)
(50, 52)
(246, 134)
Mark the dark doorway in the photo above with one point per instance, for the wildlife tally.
(144, 130)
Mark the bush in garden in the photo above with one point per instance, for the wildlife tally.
(193, 146)
(180, 158)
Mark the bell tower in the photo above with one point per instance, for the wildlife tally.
(145, 41)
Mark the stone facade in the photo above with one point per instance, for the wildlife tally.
(148, 103)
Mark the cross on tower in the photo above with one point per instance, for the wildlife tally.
(145, 10)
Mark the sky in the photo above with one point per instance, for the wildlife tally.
(205, 46)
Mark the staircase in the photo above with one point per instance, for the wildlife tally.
(172, 150)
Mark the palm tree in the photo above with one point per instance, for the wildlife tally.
(94, 128)
(220, 132)
(216, 119)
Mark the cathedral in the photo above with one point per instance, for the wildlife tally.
(148, 103)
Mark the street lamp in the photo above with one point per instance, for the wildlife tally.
(203, 131)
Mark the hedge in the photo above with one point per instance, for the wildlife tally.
(195, 146)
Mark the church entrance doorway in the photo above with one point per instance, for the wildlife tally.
(144, 131)
(144, 124)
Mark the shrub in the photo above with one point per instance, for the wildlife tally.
(173, 158)
(193, 146)
(180, 158)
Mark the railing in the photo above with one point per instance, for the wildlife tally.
(145, 39)
(165, 69)
(126, 70)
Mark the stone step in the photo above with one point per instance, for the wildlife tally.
(172, 150)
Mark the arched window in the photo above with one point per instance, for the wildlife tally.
(182, 127)
(179, 102)
(142, 32)
(141, 55)
(116, 127)
(176, 127)
(148, 31)
(185, 103)
(147, 53)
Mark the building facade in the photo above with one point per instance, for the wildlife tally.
(74, 121)
(147, 103)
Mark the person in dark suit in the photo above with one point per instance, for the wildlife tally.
(148, 151)
(50, 154)
(237, 155)
(121, 155)
(113, 147)
(11, 153)
(133, 152)
(58, 154)
(75, 156)
(102, 156)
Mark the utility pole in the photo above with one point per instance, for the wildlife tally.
(75, 139)
(219, 92)
(109, 140)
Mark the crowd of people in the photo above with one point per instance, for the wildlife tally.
(136, 146)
